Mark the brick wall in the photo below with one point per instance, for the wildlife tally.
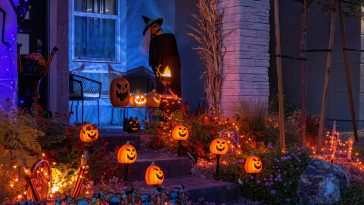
(246, 60)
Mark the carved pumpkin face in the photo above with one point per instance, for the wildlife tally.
(154, 175)
(131, 125)
(153, 99)
(127, 154)
(219, 146)
(138, 100)
(119, 92)
(89, 133)
(180, 132)
(253, 165)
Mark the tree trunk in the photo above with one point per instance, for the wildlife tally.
(279, 76)
(303, 47)
(344, 46)
(327, 74)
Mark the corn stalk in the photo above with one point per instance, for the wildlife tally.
(209, 36)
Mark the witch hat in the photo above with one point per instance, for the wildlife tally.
(149, 22)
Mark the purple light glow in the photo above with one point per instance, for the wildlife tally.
(8, 58)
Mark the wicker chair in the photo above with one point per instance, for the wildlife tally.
(81, 89)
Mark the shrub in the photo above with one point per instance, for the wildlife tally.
(278, 183)
(354, 194)
(19, 136)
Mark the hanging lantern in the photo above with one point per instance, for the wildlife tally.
(89, 133)
(119, 92)
(154, 175)
(127, 154)
(138, 100)
(219, 146)
(253, 165)
(180, 132)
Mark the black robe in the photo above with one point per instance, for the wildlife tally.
(163, 51)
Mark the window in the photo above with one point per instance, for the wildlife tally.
(95, 30)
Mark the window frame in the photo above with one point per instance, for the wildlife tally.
(117, 19)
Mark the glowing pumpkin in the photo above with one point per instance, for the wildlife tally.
(219, 146)
(180, 132)
(127, 154)
(119, 92)
(89, 133)
(153, 99)
(253, 165)
(154, 175)
(138, 100)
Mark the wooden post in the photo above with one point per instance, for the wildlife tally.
(217, 165)
(126, 172)
(327, 74)
(303, 46)
(279, 76)
(180, 148)
(344, 45)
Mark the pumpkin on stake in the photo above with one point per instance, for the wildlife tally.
(154, 175)
(219, 147)
(180, 133)
(127, 155)
(119, 92)
(88, 133)
(253, 165)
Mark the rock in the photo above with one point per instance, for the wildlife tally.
(322, 183)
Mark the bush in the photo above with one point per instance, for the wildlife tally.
(277, 184)
(354, 195)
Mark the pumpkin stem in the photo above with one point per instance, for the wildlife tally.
(152, 163)
(127, 142)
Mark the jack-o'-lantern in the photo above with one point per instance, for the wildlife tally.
(127, 154)
(153, 99)
(119, 92)
(89, 133)
(253, 165)
(131, 125)
(154, 175)
(219, 146)
(138, 100)
(180, 132)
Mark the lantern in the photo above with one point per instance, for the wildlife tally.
(127, 154)
(180, 132)
(154, 175)
(138, 100)
(253, 165)
(119, 92)
(153, 99)
(89, 133)
(219, 146)
(166, 76)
